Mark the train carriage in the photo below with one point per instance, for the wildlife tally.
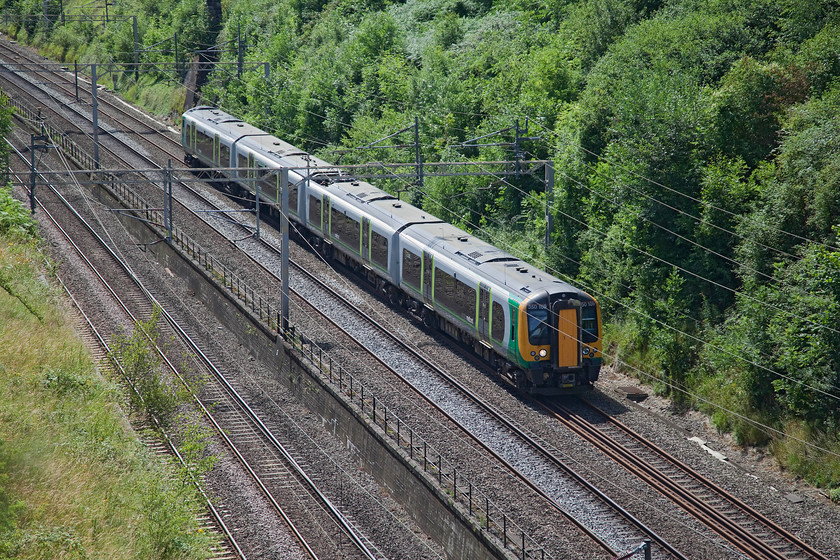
(540, 333)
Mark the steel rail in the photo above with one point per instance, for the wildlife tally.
(724, 525)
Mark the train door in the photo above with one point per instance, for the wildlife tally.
(428, 270)
(216, 149)
(251, 171)
(315, 212)
(325, 216)
(484, 311)
(366, 239)
(567, 343)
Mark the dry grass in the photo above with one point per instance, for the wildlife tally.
(74, 480)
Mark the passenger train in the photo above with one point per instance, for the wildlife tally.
(539, 333)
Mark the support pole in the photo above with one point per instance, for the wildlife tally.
(177, 70)
(549, 198)
(267, 70)
(32, 149)
(284, 250)
(95, 111)
(32, 174)
(257, 202)
(76, 72)
(240, 52)
(136, 51)
(516, 149)
(167, 200)
(418, 159)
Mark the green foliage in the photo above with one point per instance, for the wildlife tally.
(671, 340)
(142, 366)
(10, 511)
(806, 342)
(15, 220)
(725, 194)
(75, 481)
(193, 450)
(818, 58)
(749, 104)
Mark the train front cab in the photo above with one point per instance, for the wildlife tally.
(559, 342)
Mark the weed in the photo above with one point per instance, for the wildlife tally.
(154, 397)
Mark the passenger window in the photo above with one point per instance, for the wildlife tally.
(455, 295)
(269, 185)
(411, 269)
(379, 249)
(345, 229)
(204, 145)
(315, 212)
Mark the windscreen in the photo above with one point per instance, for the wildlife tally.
(538, 325)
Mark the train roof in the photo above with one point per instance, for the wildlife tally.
(486, 259)
(250, 137)
(380, 204)
(442, 237)
(226, 124)
(286, 154)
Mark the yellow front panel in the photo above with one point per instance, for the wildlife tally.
(567, 338)
(529, 352)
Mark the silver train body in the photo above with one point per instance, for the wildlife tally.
(539, 333)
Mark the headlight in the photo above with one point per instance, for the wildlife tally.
(543, 353)
(585, 351)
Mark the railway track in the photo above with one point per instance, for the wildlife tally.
(294, 495)
(96, 341)
(746, 529)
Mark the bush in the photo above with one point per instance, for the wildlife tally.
(15, 220)
(142, 366)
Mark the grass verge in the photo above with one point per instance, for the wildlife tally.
(75, 482)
